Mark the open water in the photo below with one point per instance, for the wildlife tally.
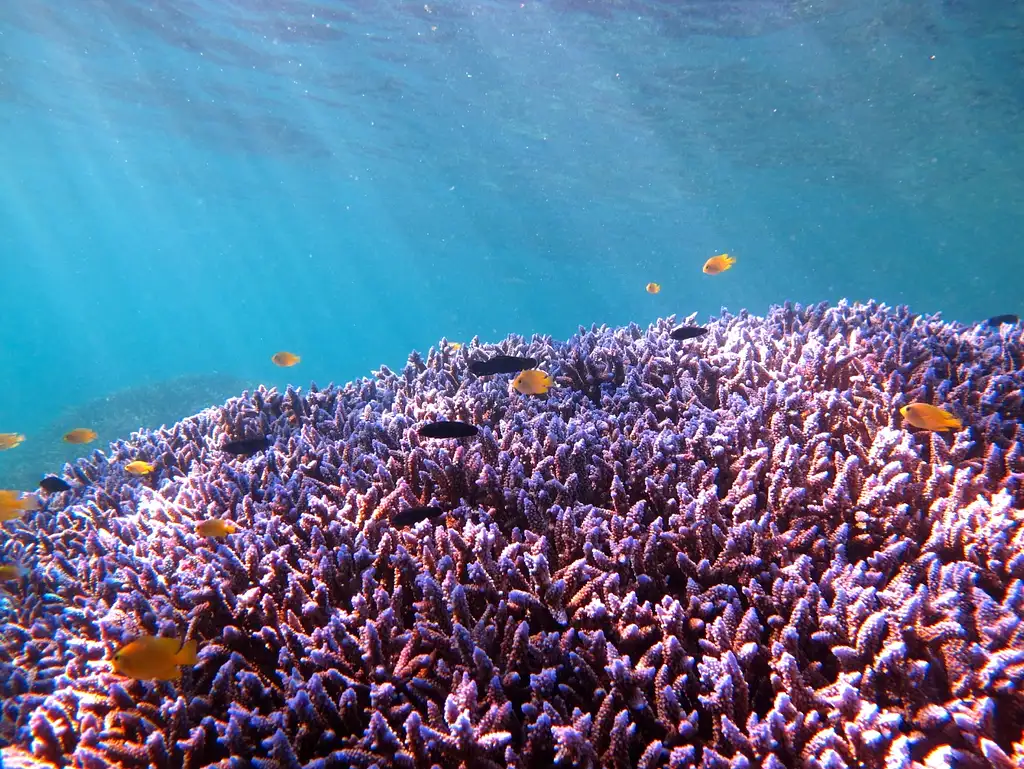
(189, 187)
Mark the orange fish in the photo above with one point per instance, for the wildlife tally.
(653, 288)
(138, 467)
(455, 345)
(216, 527)
(149, 657)
(533, 382)
(927, 417)
(717, 264)
(285, 359)
(10, 440)
(81, 435)
(10, 571)
(13, 504)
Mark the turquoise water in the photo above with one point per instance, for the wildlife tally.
(188, 187)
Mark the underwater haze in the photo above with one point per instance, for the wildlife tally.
(189, 187)
(678, 417)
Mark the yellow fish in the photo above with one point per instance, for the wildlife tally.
(653, 288)
(455, 345)
(10, 440)
(13, 504)
(152, 658)
(927, 417)
(216, 527)
(138, 467)
(10, 571)
(717, 264)
(285, 359)
(80, 435)
(533, 382)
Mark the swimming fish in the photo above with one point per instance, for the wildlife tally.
(414, 515)
(10, 440)
(149, 658)
(687, 332)
(80, 435)
(717, 264)
(998, 320)
(447, 430)
(455, 345)
(246, 446)
(14, 503)
(653, 288)
(285, 359)
(51, 484)
(138, 467)
(501, 364)
(10, 571)
(216, 527)
(10, 513)
(926, 417)
(533, 382)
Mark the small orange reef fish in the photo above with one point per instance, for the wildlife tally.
(13, 504)
(927, 417)
(653, 288)
(80, 435)
(533, 382)
(138, 467)
(285, 359)
(10, 440)
(216, 527)
(455, 345)
(152, 658)
(10, 571)
(717, 264)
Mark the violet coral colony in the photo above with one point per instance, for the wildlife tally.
(727, 552)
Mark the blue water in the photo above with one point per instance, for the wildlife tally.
(188, 187)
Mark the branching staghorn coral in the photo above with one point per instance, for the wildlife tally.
(732, 553)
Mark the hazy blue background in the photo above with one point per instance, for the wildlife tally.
(188, 187)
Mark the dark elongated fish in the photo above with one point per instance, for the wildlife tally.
(447, 430)
(998, 320)
(51, 484)
(687, 332)
(413, 515)
(501, 364)
(247, 446)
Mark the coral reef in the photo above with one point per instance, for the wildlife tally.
(726, 552)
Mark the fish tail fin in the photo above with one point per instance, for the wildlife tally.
(187, 654)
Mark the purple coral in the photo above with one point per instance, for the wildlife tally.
(725, 552)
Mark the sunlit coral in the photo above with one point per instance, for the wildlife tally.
(725, 552)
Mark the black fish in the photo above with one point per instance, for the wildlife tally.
(998, 320)
(247, 446)
(447, 430)
(687, 332)
(501, 364)
(51, 484)
(413, 515)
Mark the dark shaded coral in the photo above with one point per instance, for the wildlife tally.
(725, 552)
